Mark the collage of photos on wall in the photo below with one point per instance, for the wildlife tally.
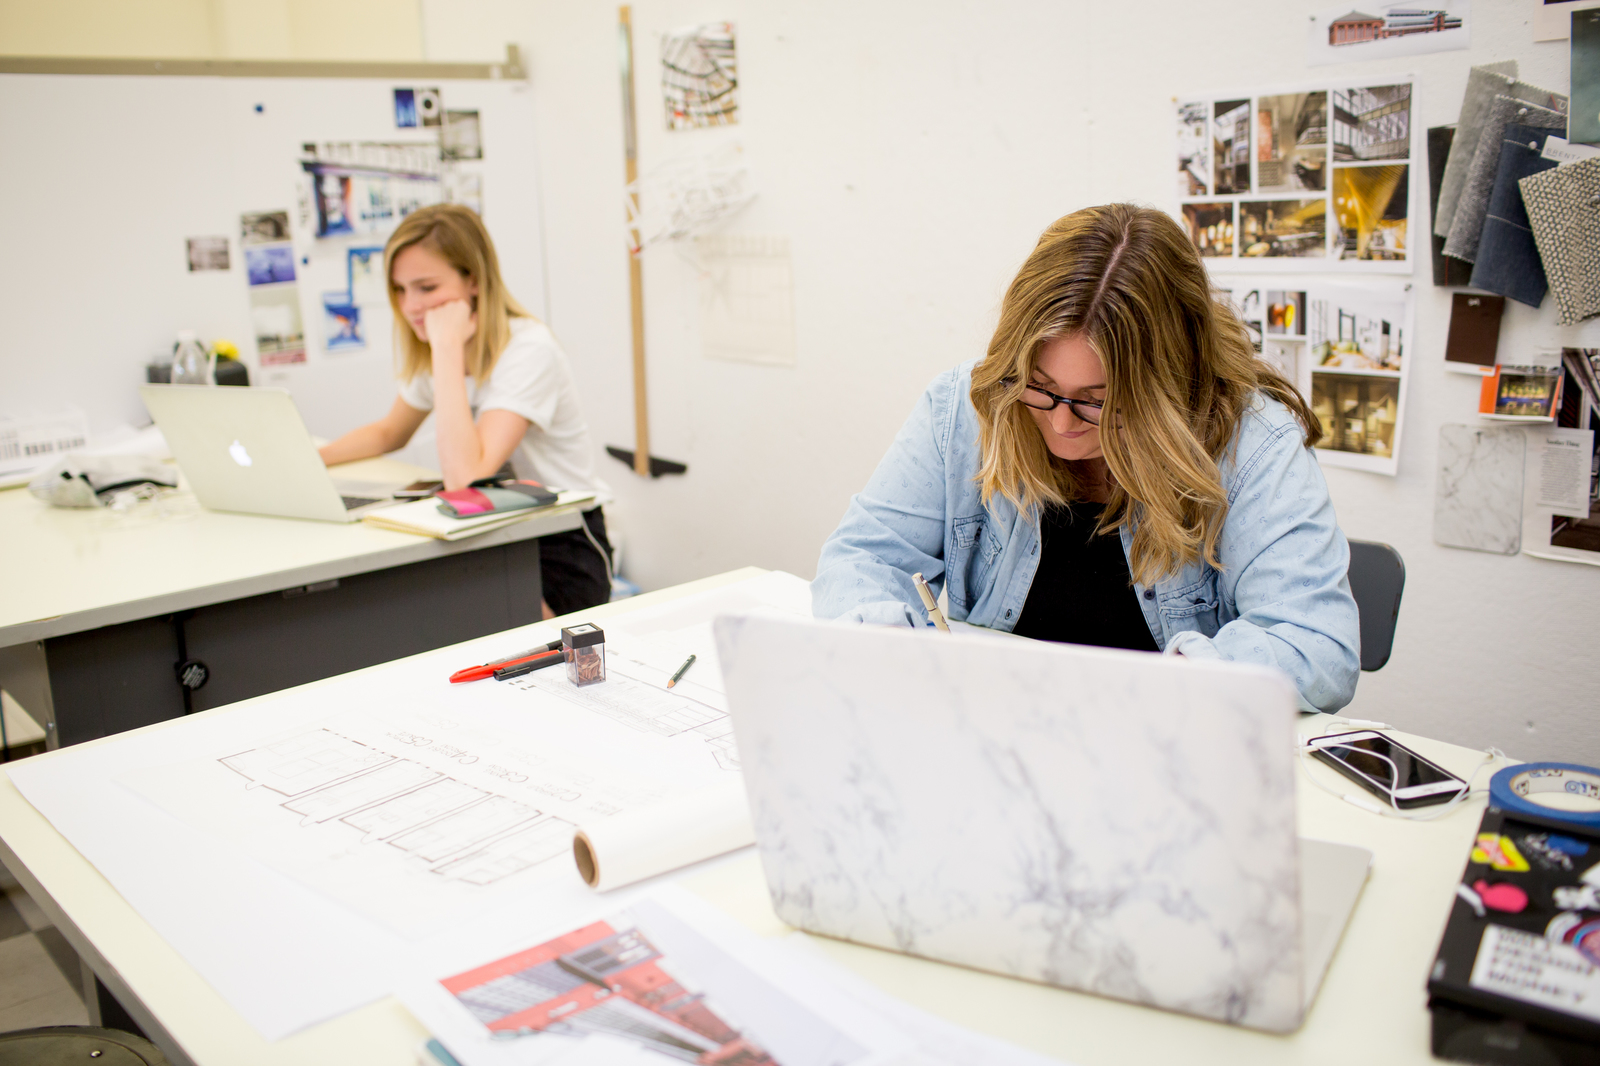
(1290, 181)
(1346, 349)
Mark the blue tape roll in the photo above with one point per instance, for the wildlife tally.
(1509, 788)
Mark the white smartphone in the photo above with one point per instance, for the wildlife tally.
(1387, 768)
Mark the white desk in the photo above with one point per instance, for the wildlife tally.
(1371, 1007)
(72, 571)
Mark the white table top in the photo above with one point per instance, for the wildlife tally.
(72, 570)
(1371, 1007)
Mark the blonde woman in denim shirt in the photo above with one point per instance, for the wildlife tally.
(1120, 469)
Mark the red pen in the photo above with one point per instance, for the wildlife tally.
(478, 673)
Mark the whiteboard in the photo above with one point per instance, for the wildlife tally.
(105, 177)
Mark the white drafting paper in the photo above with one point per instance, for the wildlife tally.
(409, 817)
(1552, 19)
(259, 914)
(1535, 970)
(1564, 457)
(746, 298)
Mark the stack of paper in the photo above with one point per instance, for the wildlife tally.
(424, 518)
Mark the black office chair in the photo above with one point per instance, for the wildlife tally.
(59, 1045)
(1377, 577)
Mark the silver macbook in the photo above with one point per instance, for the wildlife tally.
(1110, 821)
(246, 450)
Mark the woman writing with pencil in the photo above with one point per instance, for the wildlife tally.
(1120, 469)
(498, 386)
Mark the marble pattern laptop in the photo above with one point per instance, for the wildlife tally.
(1116, 822)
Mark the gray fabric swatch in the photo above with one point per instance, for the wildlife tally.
(1483, 84)
(1564, 212)
(1473, 203)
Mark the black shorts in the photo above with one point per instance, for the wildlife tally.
(572, 571)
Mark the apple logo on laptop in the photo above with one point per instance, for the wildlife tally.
(240, 456)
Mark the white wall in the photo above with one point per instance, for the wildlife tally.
(913, 153)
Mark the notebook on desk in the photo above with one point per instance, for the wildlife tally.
(1108, 821)
(245, 449)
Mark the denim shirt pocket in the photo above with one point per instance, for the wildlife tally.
(1193, 606)
(973, 550)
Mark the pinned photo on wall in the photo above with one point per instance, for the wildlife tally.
(364, 276)
(700, 76)
(461, 137)
(1210, 228)
(1194, 149)
(430, 107)
(1552, 19)
(1358, 342)
(268, 264)
(1286, 313)
(1561, 508)
(1249, 305)
(1317, 177)
(464, 189)
(263, 227)
(405, 109)
(207, 253)
(1388, 30)
(365, 188)
(1275, 228)
(1230, 147)
(1292, 143)
(1372, 205)
(342, 322)
(275, 318)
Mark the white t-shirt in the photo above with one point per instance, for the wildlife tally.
(532, 379)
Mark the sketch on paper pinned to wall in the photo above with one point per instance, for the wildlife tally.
(1388, 30)
(700, 76)
(1313, 178)
(1345, 349)
(746, 298)
(1563, 461)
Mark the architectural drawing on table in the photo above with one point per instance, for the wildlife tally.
(645, 708)
(458, 831)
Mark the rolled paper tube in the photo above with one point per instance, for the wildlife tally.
(616, 851)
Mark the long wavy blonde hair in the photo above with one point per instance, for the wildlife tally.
(456, 234)
(1180, 374)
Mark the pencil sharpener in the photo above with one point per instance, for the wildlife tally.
(584, 648)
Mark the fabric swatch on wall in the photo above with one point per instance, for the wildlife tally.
(1508, 259)
(1483, 85)
(1564, 213)
(1473, 203)
(1474, 329)
(1477, 500)
(1446, 271)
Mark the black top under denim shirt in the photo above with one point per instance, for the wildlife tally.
(1082, 592)
(1508, 259)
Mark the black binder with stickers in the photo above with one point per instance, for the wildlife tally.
(1517, 977)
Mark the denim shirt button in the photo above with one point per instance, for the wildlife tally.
(1149, 594)
(1008, 614)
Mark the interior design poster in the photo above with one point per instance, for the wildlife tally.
(1346, 348)
(1315, 178)
(1563, 461)
(269, 261)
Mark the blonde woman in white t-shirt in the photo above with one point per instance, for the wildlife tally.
(498, 385)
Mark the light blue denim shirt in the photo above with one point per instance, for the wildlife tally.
(1281, 597)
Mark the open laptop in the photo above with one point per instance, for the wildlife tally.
(245, 449)
(1110, 821)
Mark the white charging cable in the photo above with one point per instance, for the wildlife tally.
(1492, 755)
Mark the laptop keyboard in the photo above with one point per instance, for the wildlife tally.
(352, 502)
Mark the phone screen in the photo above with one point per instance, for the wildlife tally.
(1408, 771)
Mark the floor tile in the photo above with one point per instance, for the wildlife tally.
(62, 954)
(28, 909)
(11, 922)
(27, 972)
(53, 1008)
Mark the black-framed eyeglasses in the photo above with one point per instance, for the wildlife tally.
(1044, 400)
